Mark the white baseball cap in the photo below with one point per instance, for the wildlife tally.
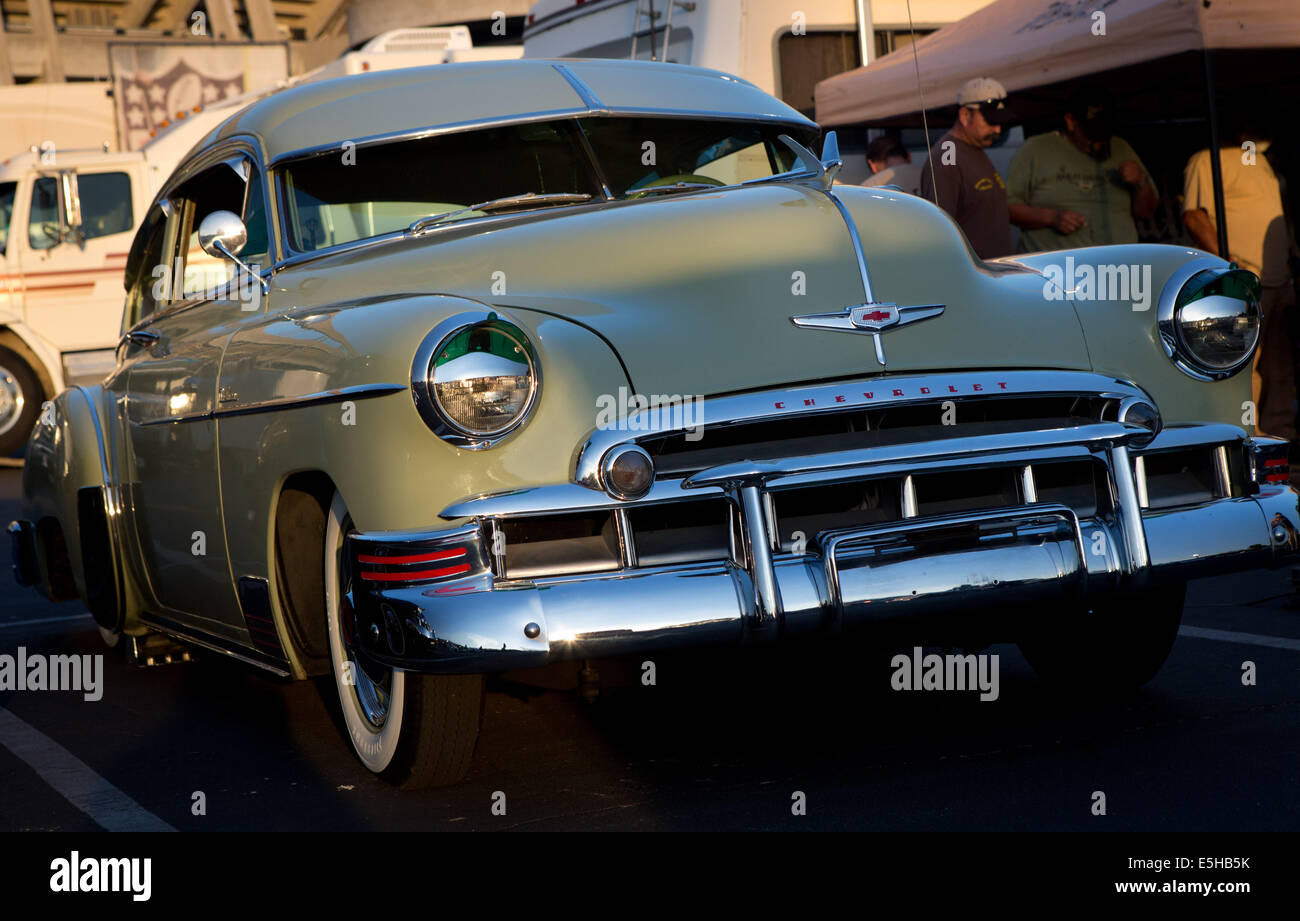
(989, 95)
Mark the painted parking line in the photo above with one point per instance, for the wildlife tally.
(36, 621)
(108, 806)
(1246, 639)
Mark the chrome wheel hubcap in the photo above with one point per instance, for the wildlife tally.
(11, 400)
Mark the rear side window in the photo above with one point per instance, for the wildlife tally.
(105, 203)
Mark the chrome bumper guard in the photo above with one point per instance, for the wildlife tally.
(1038, 553)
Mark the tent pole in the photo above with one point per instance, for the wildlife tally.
(1216, 167)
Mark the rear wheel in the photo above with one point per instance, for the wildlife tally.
(412, 730)
(1113, 646)
(20, 402)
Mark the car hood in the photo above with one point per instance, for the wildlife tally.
(696, 292)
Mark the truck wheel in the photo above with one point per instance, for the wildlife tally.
(1114, 646)
(412, 730)
(20, 402)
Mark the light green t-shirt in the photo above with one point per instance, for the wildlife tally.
(1050, 172)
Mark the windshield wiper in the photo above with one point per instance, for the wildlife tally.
(675, 187)
(525, 200)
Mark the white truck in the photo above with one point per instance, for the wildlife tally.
(67, 218)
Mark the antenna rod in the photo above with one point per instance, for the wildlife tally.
(925, 122)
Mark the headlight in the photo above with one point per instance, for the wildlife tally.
(474, 379)
(1209, 320)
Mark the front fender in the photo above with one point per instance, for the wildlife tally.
(64, 456)
(393, 472)
(1121, 332)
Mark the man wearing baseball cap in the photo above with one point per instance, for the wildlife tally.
(959, 176)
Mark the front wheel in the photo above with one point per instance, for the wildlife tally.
(412, 730)
(20, 402)
(1113, 646)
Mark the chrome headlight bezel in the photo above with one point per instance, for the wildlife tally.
(1171, 334)
(422, 378)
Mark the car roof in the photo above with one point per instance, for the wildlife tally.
(320, 116)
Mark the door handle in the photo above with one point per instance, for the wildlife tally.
(144, 337)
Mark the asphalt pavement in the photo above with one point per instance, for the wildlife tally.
(722, 740)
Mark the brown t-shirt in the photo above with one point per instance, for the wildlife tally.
(971, 190)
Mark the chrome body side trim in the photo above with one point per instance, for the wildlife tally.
(276, 404)
(187, 634)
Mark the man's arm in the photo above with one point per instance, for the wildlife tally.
(1027, 217)
(1145, 198)
(1198, 224)
(1019, 193)
(1198, 198)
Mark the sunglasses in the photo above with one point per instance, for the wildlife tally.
(995, 111)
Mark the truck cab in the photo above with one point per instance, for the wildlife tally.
(66, 223)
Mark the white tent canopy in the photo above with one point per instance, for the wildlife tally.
(1029, 43)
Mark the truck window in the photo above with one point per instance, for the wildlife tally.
(43, 229)
(7, 192)
(105, 203)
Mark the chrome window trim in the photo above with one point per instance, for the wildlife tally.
(847, 396)
(288, 256)
(1166, 330)
(585, 93)
(218, 153)
(427, 131)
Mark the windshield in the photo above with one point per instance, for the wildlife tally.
(637, 154)
(333, 199)
(7, 190)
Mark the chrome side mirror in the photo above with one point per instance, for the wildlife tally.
(222, 233)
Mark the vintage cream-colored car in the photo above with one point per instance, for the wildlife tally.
(437, 373)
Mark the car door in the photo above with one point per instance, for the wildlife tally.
(174, 359)
(78, 232)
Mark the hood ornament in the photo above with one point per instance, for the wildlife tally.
(872, 319)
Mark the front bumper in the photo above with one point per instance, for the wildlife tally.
(1040, 554)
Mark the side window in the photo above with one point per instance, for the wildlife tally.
(257, 250)
(147, 269)
(105, 203)
(8, 190)
(43, 228)
(221, 188)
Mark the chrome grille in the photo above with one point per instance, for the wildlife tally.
(677, 455)
(771, 472)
